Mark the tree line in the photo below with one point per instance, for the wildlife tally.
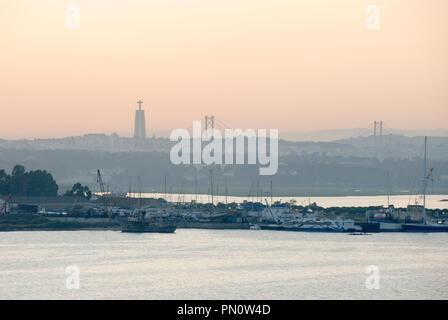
(37, 183)
(33, 183)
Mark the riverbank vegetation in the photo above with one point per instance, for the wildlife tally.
(28, 221)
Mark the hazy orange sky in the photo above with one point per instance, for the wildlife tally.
(286, 64)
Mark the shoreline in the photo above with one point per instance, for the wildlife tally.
(59, 229)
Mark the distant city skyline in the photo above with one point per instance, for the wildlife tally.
(290, 65)
(306, 135)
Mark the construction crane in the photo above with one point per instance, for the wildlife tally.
(3, 208)
(104, 195)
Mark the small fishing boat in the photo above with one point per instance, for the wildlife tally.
(136, 223)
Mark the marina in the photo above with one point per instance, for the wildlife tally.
(141, 215)
(136, 213)
(434, 201)
(251, 217)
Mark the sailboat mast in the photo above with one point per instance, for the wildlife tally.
(130, 203)
(424, 178)
(388, 189)
(211, 184)
(165, 188)
(139, 193)
(196, 187)
(226, 190)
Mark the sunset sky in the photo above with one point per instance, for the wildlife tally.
(286, 64)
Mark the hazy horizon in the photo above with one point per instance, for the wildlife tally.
(305, 135)
(289, 65)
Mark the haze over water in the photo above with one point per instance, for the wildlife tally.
(222, 264)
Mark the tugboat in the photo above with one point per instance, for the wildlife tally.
(137, 223)
(382, 220)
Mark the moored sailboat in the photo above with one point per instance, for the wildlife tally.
(427, 225)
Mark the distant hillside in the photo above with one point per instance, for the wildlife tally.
(339, 134)
(398, 147)
(389, 146)
(307, 174)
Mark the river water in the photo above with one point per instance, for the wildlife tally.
(222, 264)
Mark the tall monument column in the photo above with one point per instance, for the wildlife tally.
(140, 123)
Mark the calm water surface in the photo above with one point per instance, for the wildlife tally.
(222, 264)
